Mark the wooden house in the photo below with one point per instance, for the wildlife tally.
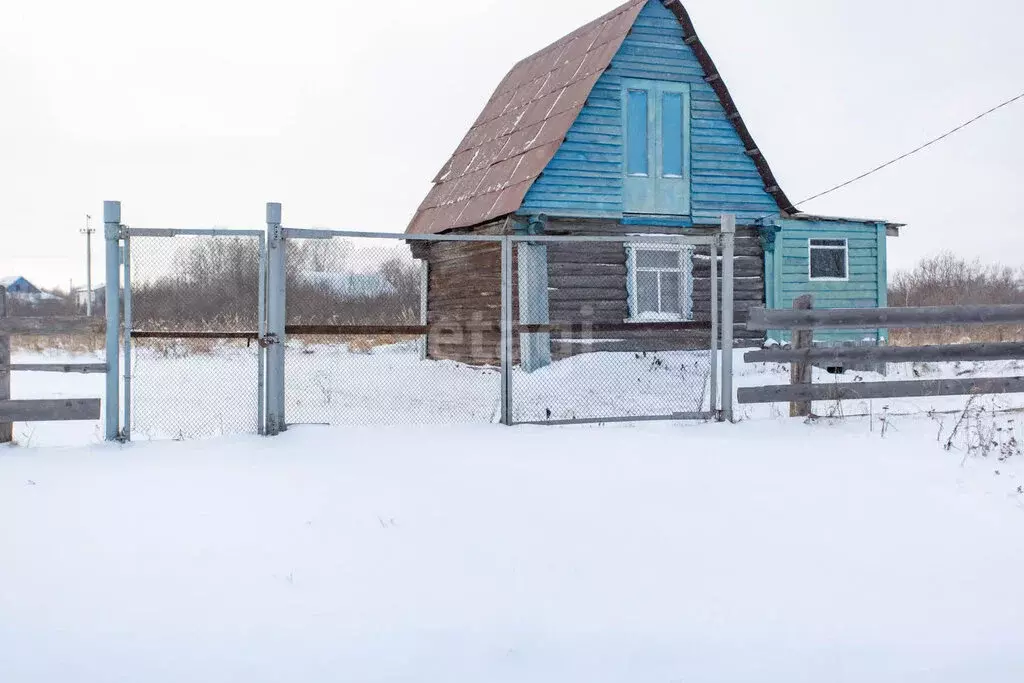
(626, 127)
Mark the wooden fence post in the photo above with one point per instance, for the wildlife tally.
(6, 428)
(800, 371)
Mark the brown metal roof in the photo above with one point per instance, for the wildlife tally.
(529, 115)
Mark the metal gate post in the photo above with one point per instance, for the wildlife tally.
(713, 384)
(111, 304)
(261, 336)
(728, 264)
(506, 331)
(126, 426)
(275, 320)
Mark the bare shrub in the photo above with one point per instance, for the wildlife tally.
(949, 280)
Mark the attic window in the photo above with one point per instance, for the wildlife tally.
(828, 259)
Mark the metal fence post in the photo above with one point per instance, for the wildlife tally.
(506, 331)
(275, 320)
(728, 265)
(111, 305)
(713, 384)
(6, 428)
(126, 426)
(261, 336)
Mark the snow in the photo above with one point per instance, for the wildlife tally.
(770, 550)
(884, 548)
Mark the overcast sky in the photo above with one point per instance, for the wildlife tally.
(197, 113)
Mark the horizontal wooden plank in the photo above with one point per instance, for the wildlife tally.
(892, 354)
(51, 410)
(52, 325)
(80, 368)
(583, 295)
(570, 269)
(848, 391)
(608, 327)
(861, 318)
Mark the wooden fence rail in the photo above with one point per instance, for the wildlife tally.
(869, 318)
(42, 410)
(891, 354)
(67, 368)
(842, 391)
(803, 319)
(50, 410)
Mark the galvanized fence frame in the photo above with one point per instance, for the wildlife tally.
(125, 235)
(720, 381)
(272, 305)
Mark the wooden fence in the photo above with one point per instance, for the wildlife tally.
(42, 410)
(803, 319)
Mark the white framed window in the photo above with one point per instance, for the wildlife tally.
(660, 282)
(828, 260)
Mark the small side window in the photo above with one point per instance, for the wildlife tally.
(829, 259)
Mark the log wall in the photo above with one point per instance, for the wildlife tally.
(587, 284)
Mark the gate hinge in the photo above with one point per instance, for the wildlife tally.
(268, 340)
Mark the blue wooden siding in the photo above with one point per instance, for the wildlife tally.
(585, 177)
(787, 273)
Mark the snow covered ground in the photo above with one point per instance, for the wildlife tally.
(770, 550)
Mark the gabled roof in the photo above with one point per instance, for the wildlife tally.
(532, 110)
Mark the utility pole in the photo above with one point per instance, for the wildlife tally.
(88, 231)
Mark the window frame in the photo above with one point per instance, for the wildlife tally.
(684, 270)
(846, 258)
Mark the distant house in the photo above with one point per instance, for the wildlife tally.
(18, 285)
(81, 295)
(625, 126)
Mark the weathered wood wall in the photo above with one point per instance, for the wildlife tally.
(587, 284)
(464, 297)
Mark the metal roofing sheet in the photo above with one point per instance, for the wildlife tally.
(522, 126)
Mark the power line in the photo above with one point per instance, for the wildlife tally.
(926, 145)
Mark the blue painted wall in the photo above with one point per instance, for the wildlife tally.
(786, 273)
(585, 178)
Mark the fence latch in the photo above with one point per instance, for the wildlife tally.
(268, 340)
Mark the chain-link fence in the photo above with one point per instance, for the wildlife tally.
(194, 303)
(630, 332)
(386, 329)
(356, 350)
(415, 330)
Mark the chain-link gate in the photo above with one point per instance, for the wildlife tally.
(193, 323)
(356, 321)
(236, 331)
(613, 328)
(548, 329)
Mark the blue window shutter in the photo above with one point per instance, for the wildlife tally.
(656, 122)
(672, 134)
(637, 139)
